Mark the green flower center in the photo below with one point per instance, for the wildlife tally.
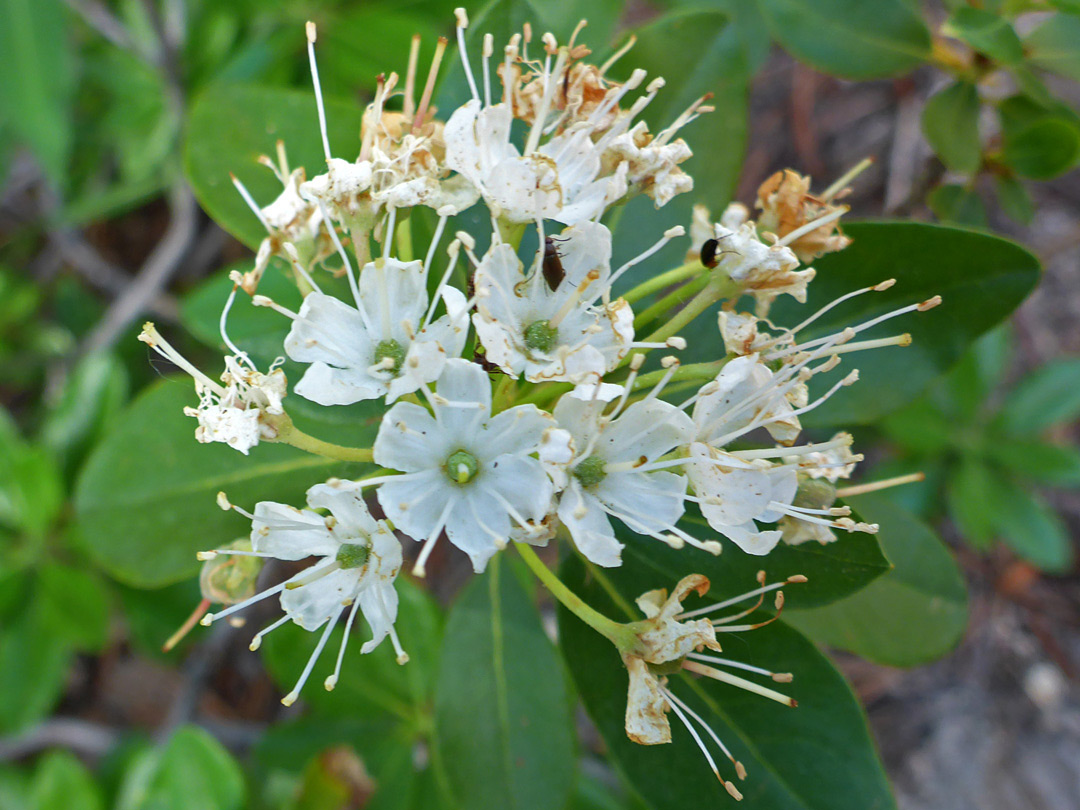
(462, 467)
(353, 555)
(390, 350)
(590, 471)
(815, 493)
(540, 336)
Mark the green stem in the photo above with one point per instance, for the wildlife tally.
(693, 371)
(290, 434)
(666, 279)
(621, 635)
(670, 301)
(701, 302)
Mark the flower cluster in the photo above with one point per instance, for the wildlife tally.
(515, 402)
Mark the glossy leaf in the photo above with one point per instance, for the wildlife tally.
(145, 499)
(986, 32)
(230, 125)
(834, 571)
(981, 279)
(850, 38)
(913, 614)
(191, 772)
(1055, 45)
(1048, 396)
(61, 782)
(818, 755)
(502, 709)
(39, 78)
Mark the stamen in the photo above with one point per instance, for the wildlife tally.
(669, 234)
(429, 87)
(880, 287)
(250, 201)
(256, 640)
(772, 452)
(210, 618)
(779, 677)
(409, 103)
(739, 769)
(419, 569)
(734, 600)
(332, 679)
(688, 115)
(545, 104)
(674, 702)
(742, 683)
(845, 178)
(573, 299)
(812, 226)
(185, 628)
(316, 574)
(294, 260)
(311, 34)
(152, 338)
(863, 345)
(615, 57)
(862, 489)
(485, 57)
(463, 23)
(290, 698)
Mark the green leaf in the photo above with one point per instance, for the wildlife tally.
(74, 605)
(91, 398)
(33, 668)
(1048, 396)
(1055, 45)
(981, 279)
(1031, 528)
(818, 755)
(850, 38)
(192, 772)
(39, 75)
(1044, 150)
(972, 486)
(913, 614)
(1014, 199)
(145, 498)
(31, 491)
(958, 205)
(920, 428)
(61, 782)
(1045, 463)
(977, 374)
(834, 570)
(950, 121)
(986, 32)
(502, 709)
(371, 685)
(230, 125)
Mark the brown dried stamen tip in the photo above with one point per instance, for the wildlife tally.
(884, 285)
(309, 27)
(732, 790)
(782, 677)
(796, 578)
(760, 578)
(779, 601)
(740, 770)
(929, 303)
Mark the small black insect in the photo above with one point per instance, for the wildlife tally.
(709, 256)
(552, 264)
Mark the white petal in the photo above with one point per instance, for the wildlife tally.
(650, 429)
(392, 293)
(346, 504)
(651, 502)
(589, 527)
(516, 430)
(478, 525)
(312, 604)
(327, 385)
(410, 439)
(464, 382)
(288, 533)
(379, 604)
(522, 483)
(414, 505)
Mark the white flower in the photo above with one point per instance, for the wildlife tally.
(386, 345)
(808, 223)
(561, 334)
(653, 163)
(467, 472)
(230, 411)
(559, 179)
(670, 639)
(735, 494)
(612, 474)
(746, 392)
(764, 271)
(359, 559)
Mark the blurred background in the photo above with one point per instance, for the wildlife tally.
(108, 111)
